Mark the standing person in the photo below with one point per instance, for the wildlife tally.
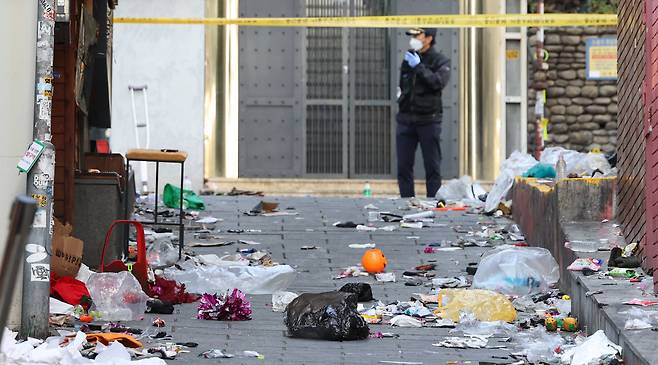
(423, 74)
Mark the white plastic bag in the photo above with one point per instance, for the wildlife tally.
(515, 165)
(595, 349)
(515, 270)
(118, 296)
(161, 252)
(281, 299)
(218, 279)
(456, 189)
(581, 164)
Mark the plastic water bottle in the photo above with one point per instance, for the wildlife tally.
(187, 183)
(367, 191)
(561, 168)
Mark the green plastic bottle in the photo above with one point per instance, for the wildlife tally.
(367, 191)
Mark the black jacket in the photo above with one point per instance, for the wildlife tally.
(420, 88)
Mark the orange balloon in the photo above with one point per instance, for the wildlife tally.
(374, 261)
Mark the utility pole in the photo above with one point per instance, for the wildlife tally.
(40, 184)
(541, 66)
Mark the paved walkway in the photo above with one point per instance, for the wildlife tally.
(283, 237)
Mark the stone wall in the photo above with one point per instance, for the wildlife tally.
(582, 113)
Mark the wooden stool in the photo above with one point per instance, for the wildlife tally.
(158, 156)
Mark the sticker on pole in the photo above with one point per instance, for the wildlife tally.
(31, 156)
(40, 272)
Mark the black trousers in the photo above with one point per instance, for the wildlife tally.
(407, 137)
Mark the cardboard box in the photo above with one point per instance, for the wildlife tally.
(67, 251)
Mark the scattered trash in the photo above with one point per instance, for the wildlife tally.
(216, 354)
(161, 252)
(405, 321)
(249, 279)
(585, 263)
(455, 282)
(641, 302)
(622, 273)
(418, 216)
(306, 248)
(387, 277)
(118, 296)
(539, 345)
(281, 299)
(595, 349)
(470, 342)
(352, 271)
(253, 354)
(326, 316)
(416, 225)
(363, 228)
(374, 261)
(637, 324)
(469, 325)
(484, 304)
(362, 245)
(207, 220)
(231, 307)
(384, 335)
(159, 322)
(517, 270)
(370, 207)
(349, 224)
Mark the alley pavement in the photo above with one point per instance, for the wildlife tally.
(284, 236)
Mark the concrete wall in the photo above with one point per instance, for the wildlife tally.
(170, 60)
(17, 42)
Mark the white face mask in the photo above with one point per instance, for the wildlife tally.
(416, 44)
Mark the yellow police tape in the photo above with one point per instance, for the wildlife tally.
(401, 21)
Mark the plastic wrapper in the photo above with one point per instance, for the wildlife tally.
(161, 252)
(485, 305)
(470, 325)
(249, 279)
(326, 316)
(515, 165)
(539, 345)
(455, 190)
(581, 164)
(518, 271)
(362, 290)
(281, 299)
(596, 349)
(118, 296)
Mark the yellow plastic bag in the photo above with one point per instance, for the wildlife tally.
(484, 304)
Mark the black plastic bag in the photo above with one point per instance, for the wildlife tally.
(362, 290)
(325, 316)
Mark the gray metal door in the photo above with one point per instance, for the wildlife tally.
(348, 102)
(320, 102)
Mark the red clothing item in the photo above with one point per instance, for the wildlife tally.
(68, 289)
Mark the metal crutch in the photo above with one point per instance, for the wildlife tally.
(144, 124)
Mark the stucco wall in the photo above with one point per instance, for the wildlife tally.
(17, 40)
(170, 60)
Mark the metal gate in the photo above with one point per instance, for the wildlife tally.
(348, 103)
(320, 102)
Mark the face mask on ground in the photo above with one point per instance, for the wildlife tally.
(415, 44)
